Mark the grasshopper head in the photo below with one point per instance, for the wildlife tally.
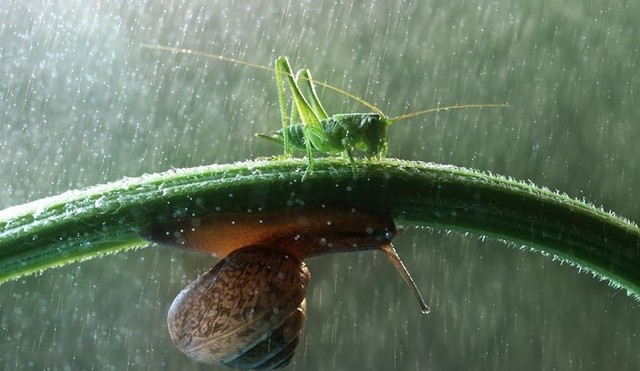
(373, 135)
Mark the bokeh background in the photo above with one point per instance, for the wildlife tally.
(82, 103)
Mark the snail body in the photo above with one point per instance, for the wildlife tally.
(304, 232)
(247, 312)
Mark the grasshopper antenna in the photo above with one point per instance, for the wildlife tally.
(207, 55)
(369, 105)
(265, 68)
(446, 108)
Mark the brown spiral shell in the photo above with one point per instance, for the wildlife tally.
(246, 312)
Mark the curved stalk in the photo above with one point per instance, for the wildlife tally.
(104, 219)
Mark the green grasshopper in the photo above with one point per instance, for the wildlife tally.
(319, 132)
(343, 133)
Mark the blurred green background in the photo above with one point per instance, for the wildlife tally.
(82, 103)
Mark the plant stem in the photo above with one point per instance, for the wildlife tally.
(104, 219)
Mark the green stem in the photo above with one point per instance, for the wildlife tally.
(104, 219)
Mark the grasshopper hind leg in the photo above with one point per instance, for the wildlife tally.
(305, 111)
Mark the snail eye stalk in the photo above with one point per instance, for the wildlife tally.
(395, 260)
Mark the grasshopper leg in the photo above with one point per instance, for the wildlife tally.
(307, 115)
(283, 107)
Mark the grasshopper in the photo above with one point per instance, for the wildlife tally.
(317, 131)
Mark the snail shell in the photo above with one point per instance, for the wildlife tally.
(246, 312)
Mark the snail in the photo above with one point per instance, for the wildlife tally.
(247, 312)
